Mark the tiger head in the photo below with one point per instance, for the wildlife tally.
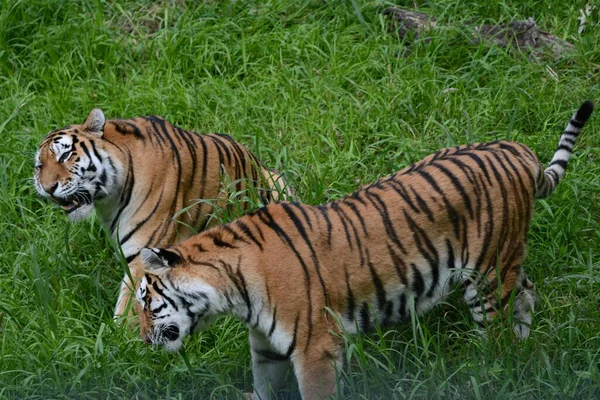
(172, 301)
(73, 167)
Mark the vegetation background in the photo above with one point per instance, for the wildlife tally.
(322, 91)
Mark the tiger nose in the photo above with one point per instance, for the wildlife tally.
(51, 189)
(147, 339)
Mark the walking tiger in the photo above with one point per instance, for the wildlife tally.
(137, 174)
(295, 273)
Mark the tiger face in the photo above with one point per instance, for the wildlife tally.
(170, 305)
(73, 169)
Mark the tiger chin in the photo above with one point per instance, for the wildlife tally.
(139, 174)
(300, 275)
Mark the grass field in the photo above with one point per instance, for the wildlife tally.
(320, 90)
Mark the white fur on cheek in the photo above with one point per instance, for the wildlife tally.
(141, 292)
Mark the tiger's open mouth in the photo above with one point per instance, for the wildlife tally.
(73, 202)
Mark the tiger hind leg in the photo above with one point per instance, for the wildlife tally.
(484, 303)
(523, 306)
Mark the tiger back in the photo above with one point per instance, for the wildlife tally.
(139, 174)
(296, 273)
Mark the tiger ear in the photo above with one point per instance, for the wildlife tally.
(159, 261)
(94, 123)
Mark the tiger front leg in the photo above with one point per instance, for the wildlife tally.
(125, 306)
(316, 369)
(269, 368)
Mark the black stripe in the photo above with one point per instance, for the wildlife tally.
(239, 150)
(246, 231)
(489, 228)
(302, 210)
(223, 146)
(257, 227)
(477, 160)
(240, 283)
(227, 229)
(274, 323)
(356, 196)
(562, 163)
(191, 147)
(452, 214)
(365, 319)
(236, 178)
(576, 123)
(157, 309)
(389, 309)
(418, 281)
(220, 154)
(141, 223)
(163, 125)
(335, 207)
(567, 147)
(350, 304)
(399, 266)
(198, 247)
(221, 243)
(120, 127)
(451, 262)
(357, 214)
(127, 192)
(194, 261)
(423, 205)
(85, 150)
(131, 257)
(504, 230)
(509, 147)
(401, 190)
(157, 132)
(387, 222)
(163, 295)
(427, 250)
(402, 311)
(344, 217)
(379, 289)
(323, 210)
(95, 151)
(270, 355)
(204, 166)
(293, 342)
(459, 187)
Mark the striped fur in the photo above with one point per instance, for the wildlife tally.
(458, 218)
(138, 174)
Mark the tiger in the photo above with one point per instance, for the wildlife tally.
(138, 174)
(301, 276)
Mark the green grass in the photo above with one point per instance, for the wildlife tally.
(320, 90)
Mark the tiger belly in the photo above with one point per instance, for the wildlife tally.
(401, 301)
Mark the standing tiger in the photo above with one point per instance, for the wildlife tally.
(138, 174)
(459, 216)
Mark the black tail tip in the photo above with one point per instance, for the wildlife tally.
(584, 112)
